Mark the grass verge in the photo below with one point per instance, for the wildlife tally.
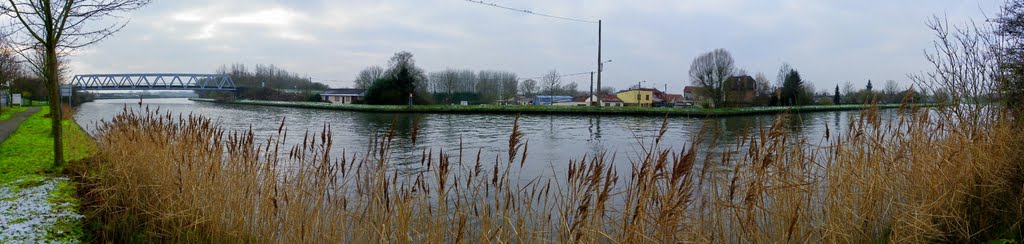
(29, 151)
(10, 111)
(37, 206)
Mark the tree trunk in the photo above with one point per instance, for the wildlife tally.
(52, 73)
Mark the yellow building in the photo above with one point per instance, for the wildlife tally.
(636, 98)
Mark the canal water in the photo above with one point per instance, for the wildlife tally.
(553, 139)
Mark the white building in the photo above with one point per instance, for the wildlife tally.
(343, 96)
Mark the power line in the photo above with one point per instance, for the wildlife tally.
(531, 12)
(567, 75)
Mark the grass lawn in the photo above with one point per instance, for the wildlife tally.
(10, 111)
(29, 151)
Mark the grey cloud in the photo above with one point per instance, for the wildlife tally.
(655, 40)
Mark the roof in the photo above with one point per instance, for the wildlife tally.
(673, 97)
(580, 99)
(740, 83)
(692, 89)
(344, 92)
(610, 98)
(640, 89)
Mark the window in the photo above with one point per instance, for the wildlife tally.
(648, 97)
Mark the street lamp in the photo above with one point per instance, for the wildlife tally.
(639, 87)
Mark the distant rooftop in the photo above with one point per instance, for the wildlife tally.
(344, 92)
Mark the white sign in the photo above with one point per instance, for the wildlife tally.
(16, 99)
(464, 103)
(65, 91)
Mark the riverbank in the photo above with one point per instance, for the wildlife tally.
(166, 181)
(564, 110)
(38, 202)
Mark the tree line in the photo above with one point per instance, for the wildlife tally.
(713, 69)
(267, 82)
(401, 80)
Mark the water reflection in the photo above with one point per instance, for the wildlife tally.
(553, 139)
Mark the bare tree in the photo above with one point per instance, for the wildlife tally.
(784, 71)
(367, 76)
(1009, 28)
(965, 69)
(571, 89)
(528, 87)
(264, 75)
(764, 86)
(488, 86)
(710, 71)
(890, 90)
(59, 27)
(509, 85)
(552, 82)
(847, 88)
(10, 68)
(467, 81)
(741, 72)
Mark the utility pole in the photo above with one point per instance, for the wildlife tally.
(599, 64)
(591, 98)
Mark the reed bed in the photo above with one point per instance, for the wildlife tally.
(919, 177)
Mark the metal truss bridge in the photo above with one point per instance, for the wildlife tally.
(202, 82)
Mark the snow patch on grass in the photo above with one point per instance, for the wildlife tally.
(34, 210)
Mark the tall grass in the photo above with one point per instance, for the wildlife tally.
(917, 177)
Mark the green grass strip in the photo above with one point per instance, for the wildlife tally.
(8, 112)
(29, 151)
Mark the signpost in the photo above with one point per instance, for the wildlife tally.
(16, 99)
(65, 91)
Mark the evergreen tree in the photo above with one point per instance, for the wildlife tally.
(792, 86)
(835, 97)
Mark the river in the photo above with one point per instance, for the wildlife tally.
(553, 139)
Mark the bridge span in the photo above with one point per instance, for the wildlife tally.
(155, 81)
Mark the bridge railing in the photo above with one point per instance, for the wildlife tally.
(208, 82)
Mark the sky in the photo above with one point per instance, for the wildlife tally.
(828, 41)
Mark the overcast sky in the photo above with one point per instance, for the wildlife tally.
(829, 42)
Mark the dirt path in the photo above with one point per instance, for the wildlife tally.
(8, 126)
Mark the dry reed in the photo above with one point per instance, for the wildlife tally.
(918, 177)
